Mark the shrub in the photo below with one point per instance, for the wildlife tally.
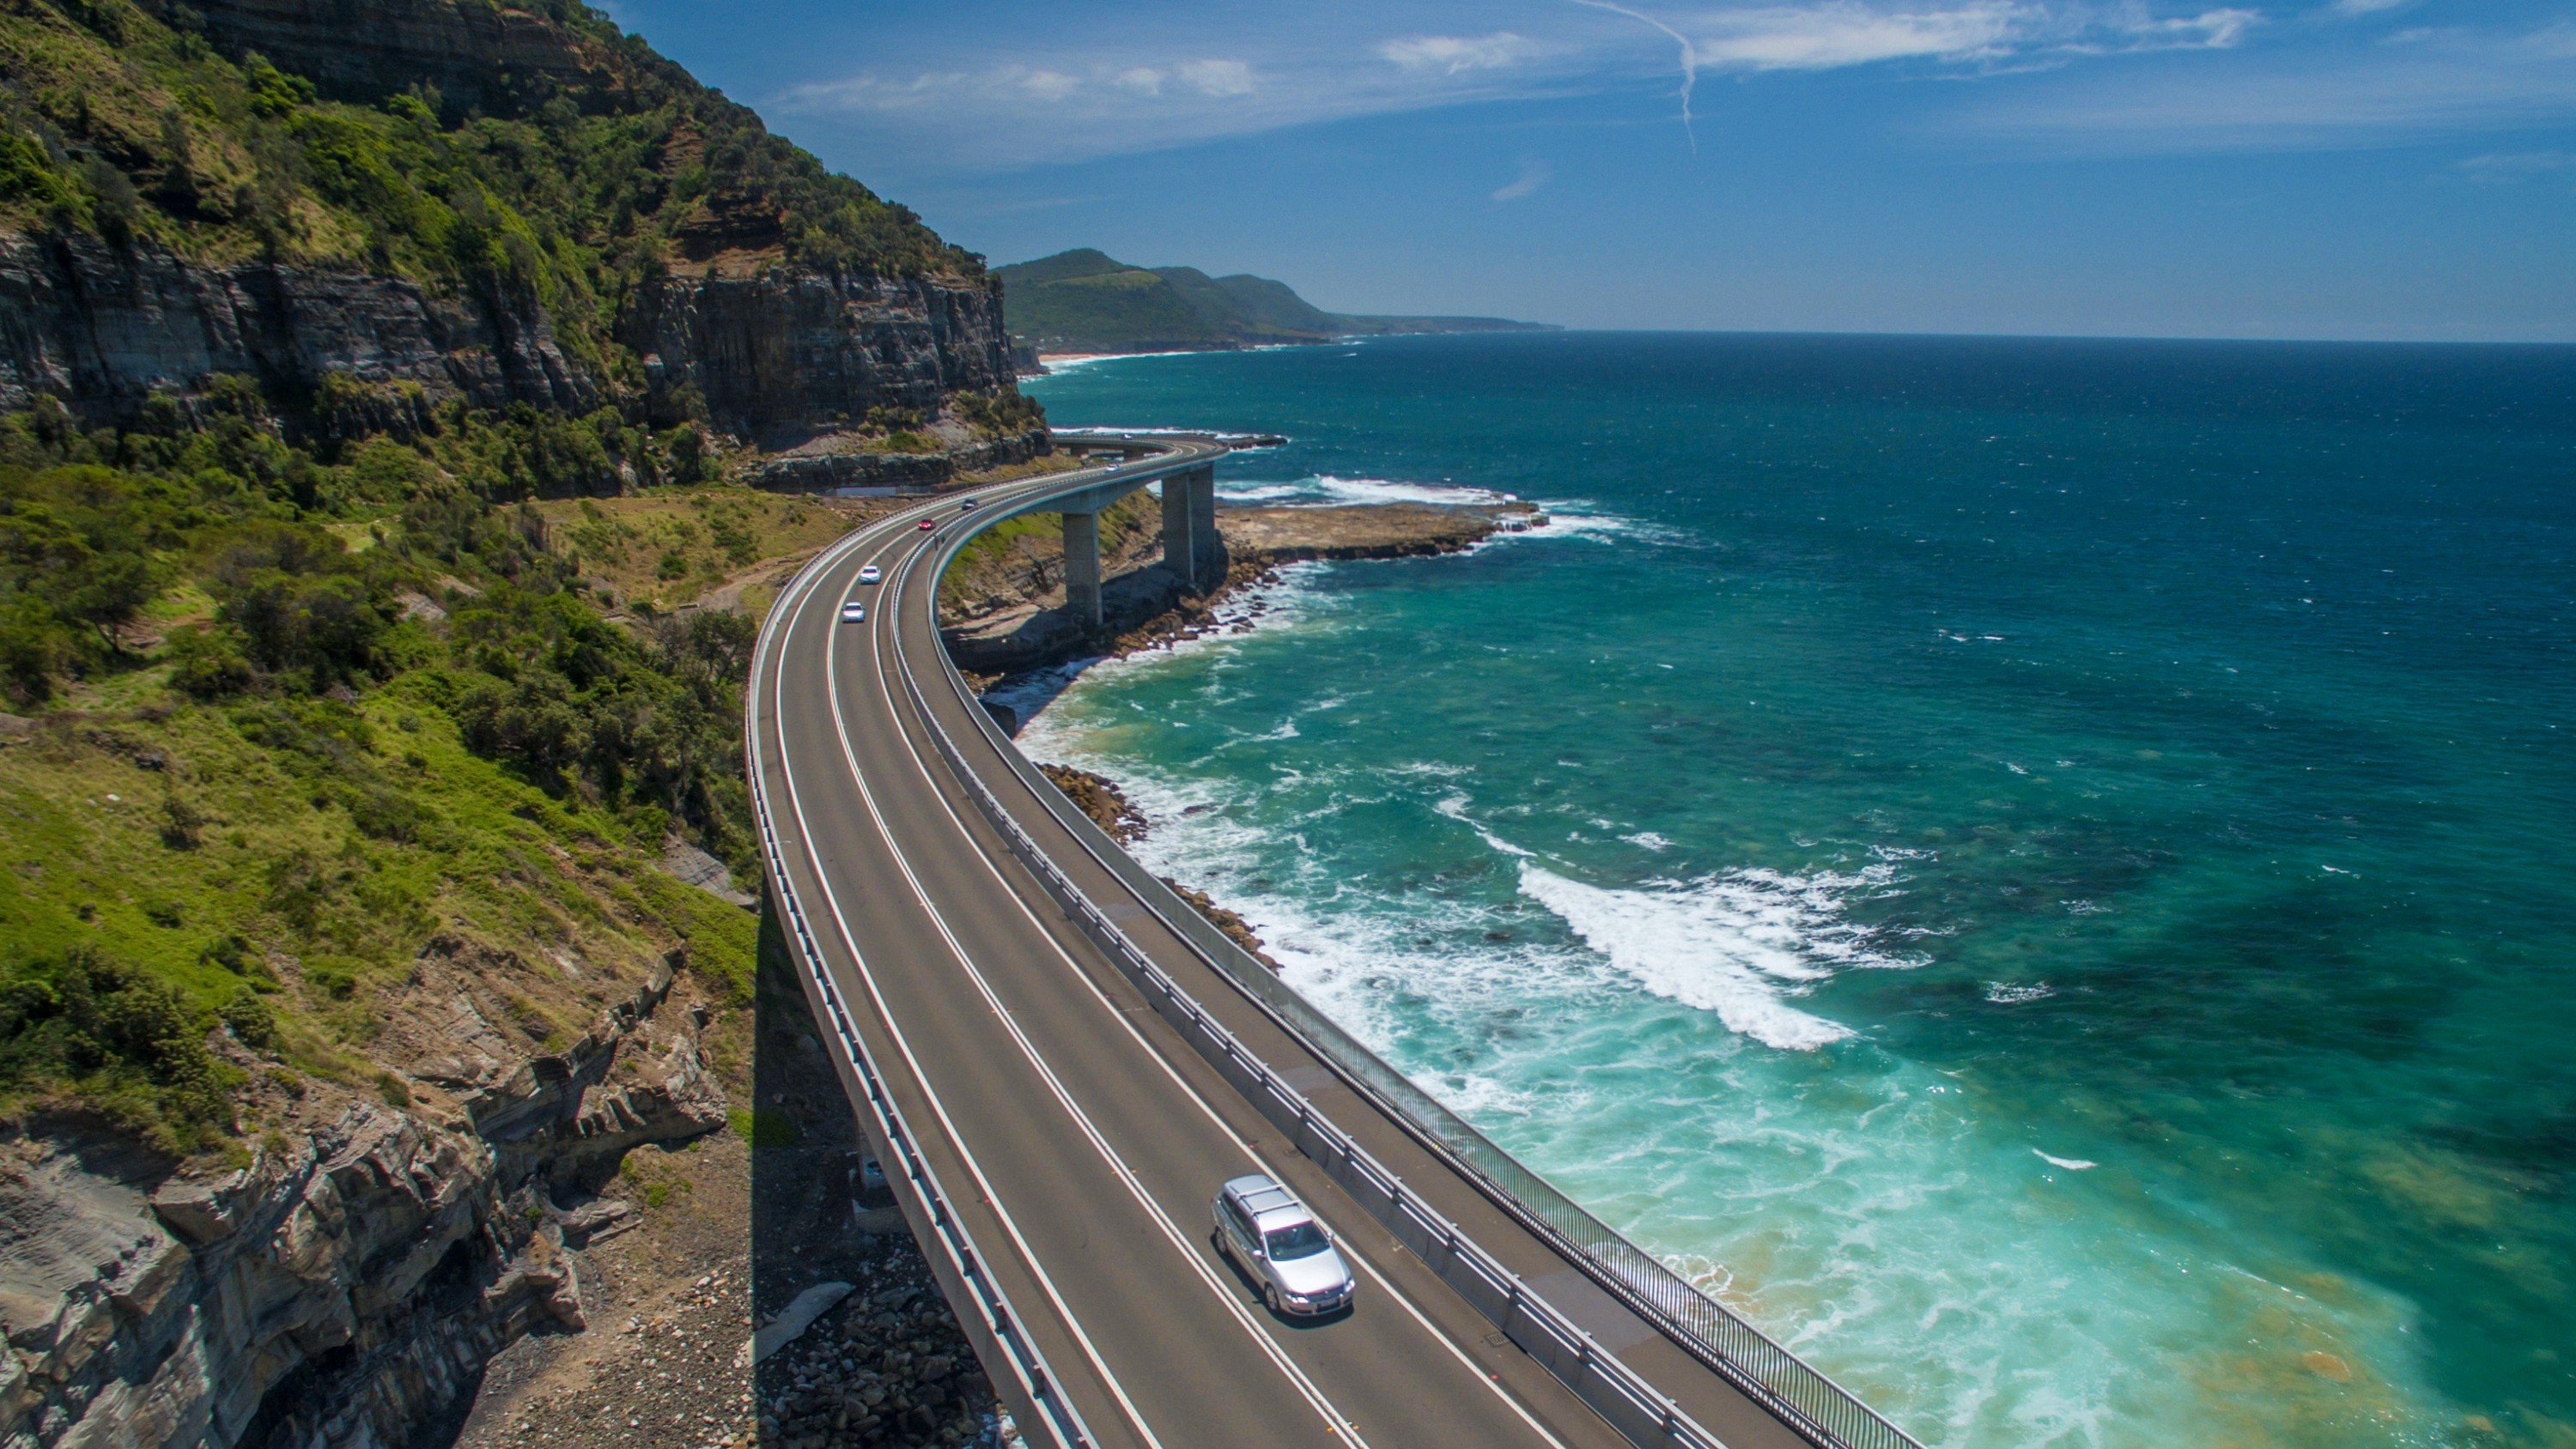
(128, 1044)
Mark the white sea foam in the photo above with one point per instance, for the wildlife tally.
(1321, 489)
(1455, 807)
(1053, 363)
(2071, 1164)
(1736, 945)
(1580, 520)
(2012, 993)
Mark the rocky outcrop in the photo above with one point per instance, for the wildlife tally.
(782, 352)
(104, 327)
(481, 56)
(839, 464)
(347, 1285)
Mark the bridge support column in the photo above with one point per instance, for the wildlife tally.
(1207, 548)
(1180, 537)
(1082, 567)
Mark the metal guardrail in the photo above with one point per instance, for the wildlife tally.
(1640, 1413)
(1058, 1418)
(1810, 1404)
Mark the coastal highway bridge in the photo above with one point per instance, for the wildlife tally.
(1057, 1061)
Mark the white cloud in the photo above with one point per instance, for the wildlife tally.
(1049, 85)
(2434, 83)
(1534, 174)
(1450, 54)
(1218, 77)
(2209, 30)
(2367, 7)
(2300, 79)
(1820, 37)
(2511, 166)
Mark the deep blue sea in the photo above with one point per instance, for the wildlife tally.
(2039, 871)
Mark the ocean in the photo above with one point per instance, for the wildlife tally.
(2036, 870)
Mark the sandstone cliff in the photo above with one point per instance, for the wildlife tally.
(104, 327)
(347, 1284)
(438, 200)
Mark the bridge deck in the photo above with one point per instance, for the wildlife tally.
(1079, 1134)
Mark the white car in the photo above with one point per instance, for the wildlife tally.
(1272, 1236)
(854, 612)
(870, 574)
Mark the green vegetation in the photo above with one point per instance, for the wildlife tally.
(569, 184)
(1086, 301)
(763, 1127)
(293, 712)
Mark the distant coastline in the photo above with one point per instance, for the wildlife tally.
(1085, 303)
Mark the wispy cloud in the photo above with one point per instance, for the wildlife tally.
(2057, 74)
(1822, 37)
(2414, 84)
(2506, 167)
(1534, 174)
(1966, 36)
(1217, 77)
(1451, 54)
(1690, 58)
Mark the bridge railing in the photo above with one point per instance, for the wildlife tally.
(1806, 1401)
(1057, 1418)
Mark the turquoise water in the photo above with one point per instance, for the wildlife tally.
(2037, 870)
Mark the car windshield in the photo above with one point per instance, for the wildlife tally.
(1304, 1240)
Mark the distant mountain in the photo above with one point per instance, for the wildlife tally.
(1087, 301)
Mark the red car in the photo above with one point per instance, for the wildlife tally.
(925, 525)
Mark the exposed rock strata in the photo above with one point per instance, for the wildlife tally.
(104, 327)
(786, 351)
(346, 1286)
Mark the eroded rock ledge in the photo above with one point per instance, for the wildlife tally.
(347, 1284)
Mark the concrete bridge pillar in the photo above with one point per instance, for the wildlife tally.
(1180, 539)
(1207, 548)
(1082, 567)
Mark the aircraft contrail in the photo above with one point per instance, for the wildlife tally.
(1690, 59)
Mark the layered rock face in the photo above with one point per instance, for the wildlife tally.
(475, 54)
(104, 327)
(785, 352)
(346, 1286)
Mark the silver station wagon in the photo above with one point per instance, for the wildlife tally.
(1274, 1238)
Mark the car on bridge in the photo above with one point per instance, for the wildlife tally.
(966, 507)
(927, 525)
(1276, 1240)
(871, 574)
(854, 612)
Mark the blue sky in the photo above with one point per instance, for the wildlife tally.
(2312, 168)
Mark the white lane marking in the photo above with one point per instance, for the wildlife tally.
(890, 614)
(1315, 1397)
(841, 923)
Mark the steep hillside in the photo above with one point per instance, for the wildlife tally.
(370, 213)
(1087, 301)
(377, 383)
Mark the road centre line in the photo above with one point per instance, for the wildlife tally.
(922, 1080)
(1334, 1419)
(892, 622)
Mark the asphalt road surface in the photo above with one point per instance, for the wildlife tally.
(1078, 1134)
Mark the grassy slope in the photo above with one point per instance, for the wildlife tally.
(286, 701)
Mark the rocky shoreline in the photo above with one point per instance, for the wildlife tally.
(1012, 621)
(1259, 542)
